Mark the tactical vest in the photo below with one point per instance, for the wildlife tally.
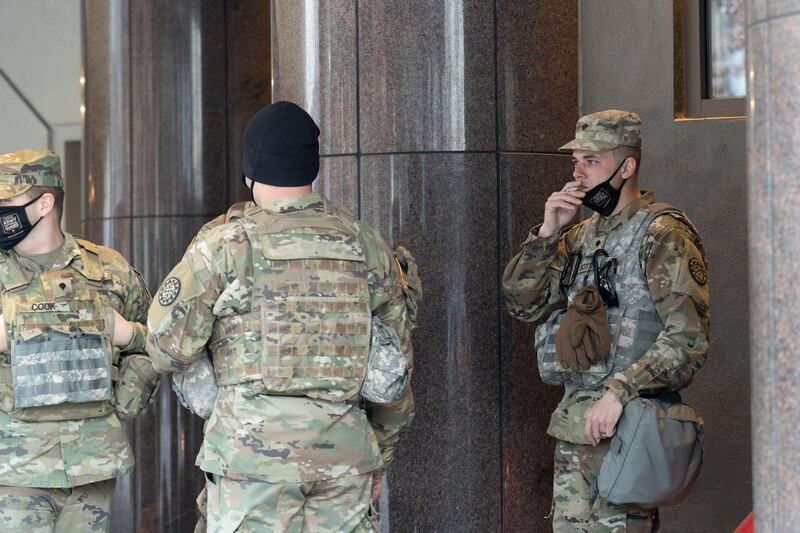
(59, 325)
(307, 332)
(634, 325)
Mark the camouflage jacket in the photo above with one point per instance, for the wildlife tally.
(74, 452)
(676, 275)
(253, 435)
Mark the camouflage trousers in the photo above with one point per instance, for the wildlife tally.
(49, 510)
(334, 506)
(577, 506)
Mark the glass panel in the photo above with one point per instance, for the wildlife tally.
(727, 49)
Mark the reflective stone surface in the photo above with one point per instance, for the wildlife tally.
(338, 180)
(314, 50)
(430, 88)
(169, 88)
(537, 73)
(773, 134)
(526, 403)
(442, 207)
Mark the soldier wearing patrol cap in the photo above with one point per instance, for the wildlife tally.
(284, 296)
(625, 298)
(71, 363)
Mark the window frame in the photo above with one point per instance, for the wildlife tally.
(691, 67)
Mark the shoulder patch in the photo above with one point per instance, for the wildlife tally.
(169, 291)
(698, 271)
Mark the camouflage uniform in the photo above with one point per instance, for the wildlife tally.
(657, 344)
(60, 459)
(277, 446)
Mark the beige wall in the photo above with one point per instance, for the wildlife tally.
(40, 51)
(699, 166)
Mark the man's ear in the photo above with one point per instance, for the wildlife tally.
(46, 203)
(630, 167)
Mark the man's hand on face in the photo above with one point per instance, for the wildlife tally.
(561, 208)
(3, 338)
(123, 331)
(601, 420)
(376, 485)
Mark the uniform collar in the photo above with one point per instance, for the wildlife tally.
(606, 224)
(289, 204)
(70, 251)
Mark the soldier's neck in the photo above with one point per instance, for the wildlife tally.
(265, 194)
(629, 193)
(44, 238)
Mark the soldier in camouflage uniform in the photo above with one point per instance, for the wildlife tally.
(283, 297)
(654, 287)
(71, 363)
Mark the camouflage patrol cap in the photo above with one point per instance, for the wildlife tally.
(606, 130)
(19, 171)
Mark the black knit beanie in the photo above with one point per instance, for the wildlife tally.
(281, 146)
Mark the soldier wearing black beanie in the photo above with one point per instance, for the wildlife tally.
(281, 146)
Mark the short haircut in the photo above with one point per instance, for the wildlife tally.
(624, 152)
(58, 197)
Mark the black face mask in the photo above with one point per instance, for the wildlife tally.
(250, 187)
(14, 224)
(603, 198)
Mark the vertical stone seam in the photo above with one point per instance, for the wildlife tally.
(498, 265)
(774, 422)
(358, 110)
(227, 107)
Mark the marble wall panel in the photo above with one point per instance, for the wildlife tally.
(106, 97)
(443, 207)
(426, 75)
(537, 72)
(249, 79)
(160, 242)
(777, 475)
(526, 181)
(314, 51)
(178, 95)
(338, 180)
(112, 232)
(780, 8)
(756, 11)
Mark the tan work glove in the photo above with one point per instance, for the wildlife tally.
(582, 338)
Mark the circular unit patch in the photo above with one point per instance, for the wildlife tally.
(169, 291)
(698, 271)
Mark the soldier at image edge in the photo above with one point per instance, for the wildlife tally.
(72, 366)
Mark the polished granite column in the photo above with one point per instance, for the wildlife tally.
(439, 125)
(170, 85)
(773, 38)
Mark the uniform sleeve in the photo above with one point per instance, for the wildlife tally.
(134, 310)
(531, 279)
(181, 317)
(677, 277)
(388, 421)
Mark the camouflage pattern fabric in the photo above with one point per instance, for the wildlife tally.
(196, 387)
(57, 445)
(673, 278)
(672, 262)
(577, 506)
(606, 130)
(387, 367)
(41, 510)
(335, 506)
(412, 284)
(137, 386)
(19, 171)
(279, 438)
